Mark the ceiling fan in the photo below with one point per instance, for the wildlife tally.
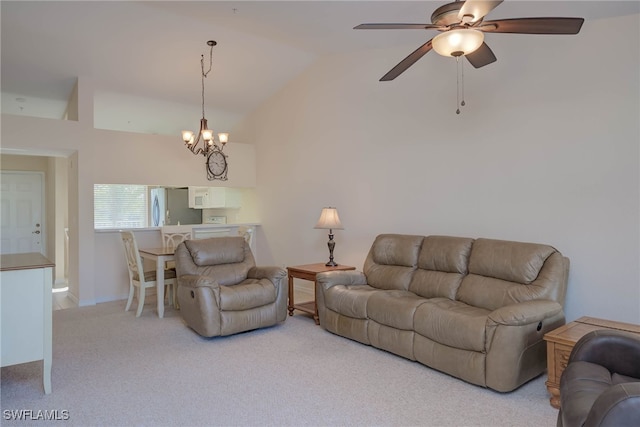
(462, 27)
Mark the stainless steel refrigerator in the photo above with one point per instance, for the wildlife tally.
(170, 206)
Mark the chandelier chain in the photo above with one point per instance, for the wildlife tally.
(204, 74)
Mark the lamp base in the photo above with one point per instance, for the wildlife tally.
(331, 245)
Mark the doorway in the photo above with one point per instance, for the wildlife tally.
(53, 200)
(22, 207)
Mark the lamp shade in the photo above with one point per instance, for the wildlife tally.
(329, 219)
(187, 136)
(461, 41)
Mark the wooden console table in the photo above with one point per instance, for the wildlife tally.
(26, 312)
(309, 272)
(561, 341)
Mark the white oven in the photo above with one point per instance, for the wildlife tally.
(205, 233)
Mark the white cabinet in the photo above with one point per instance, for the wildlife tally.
(25, 315)
(214, 197)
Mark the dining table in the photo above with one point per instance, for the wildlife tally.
(161, 255)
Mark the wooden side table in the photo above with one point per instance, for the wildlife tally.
(561, 341)
(309, 272)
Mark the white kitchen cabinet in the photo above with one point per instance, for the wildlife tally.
(26, 312)
(214, 197)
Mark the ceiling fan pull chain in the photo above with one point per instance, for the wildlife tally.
(462, 72)
(457, 84)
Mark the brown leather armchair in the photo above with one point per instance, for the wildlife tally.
(601, 383)
(222, 292)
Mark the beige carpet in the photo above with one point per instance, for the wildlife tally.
(112, 369)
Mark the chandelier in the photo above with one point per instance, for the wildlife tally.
(205, 134)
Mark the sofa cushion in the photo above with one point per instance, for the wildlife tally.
(392, 260)
(396, 249)
(503, 273)
(442, 264)
(394, 308)
(452, 323)
(621, 379)
(249, 294)
(445, 253)
(511, 261)
(350, 301)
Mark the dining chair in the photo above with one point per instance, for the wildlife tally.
(138, 278)
(246, 232)
(172, 236)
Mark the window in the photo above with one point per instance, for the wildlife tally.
(119, 206)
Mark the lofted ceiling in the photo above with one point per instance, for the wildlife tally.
(143, 58)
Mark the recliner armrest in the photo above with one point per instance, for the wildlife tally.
(619, 405)
(195, 281)
(274, 274)
(617, 351)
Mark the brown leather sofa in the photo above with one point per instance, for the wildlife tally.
(601, 384)
(222, 292)
(475, 309)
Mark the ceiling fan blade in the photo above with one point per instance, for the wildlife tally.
(477, 8)
(396, 27)
(481, 56)
(407, 62)
(533, 26)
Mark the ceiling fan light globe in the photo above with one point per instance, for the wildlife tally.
(461, 41)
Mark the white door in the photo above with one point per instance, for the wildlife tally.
(22, 212)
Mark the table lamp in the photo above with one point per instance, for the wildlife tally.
(330, 220)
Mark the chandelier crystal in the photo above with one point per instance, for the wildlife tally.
(205, 134)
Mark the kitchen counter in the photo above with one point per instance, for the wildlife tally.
(24, 261)
(195, 226)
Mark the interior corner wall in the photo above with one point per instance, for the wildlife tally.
(546, 150)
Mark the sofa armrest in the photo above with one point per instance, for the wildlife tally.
(617, 351)
(619, 405)
(514, 342)
(525, 313)
(329, 279)
(274, 274)
(196, 281)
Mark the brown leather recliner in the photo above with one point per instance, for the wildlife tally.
(601, 383)
(222, 292)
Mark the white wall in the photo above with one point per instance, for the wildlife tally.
(545, 151)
